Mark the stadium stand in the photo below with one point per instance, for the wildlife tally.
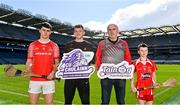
(162, 48)
(18, 28)
(12, 54)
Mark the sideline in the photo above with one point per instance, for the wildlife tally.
(24, 95)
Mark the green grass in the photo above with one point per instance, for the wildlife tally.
(14, 89)
(175, 99)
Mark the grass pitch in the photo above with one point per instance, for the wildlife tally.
(13, 90)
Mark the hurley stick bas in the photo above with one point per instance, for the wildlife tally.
(11, 71)
(171, 82)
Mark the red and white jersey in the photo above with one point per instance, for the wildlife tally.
(42, 55)
(144, 74)
(107, 52)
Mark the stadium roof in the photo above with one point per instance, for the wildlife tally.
(26, 19)
(154, 30)
(163, 30)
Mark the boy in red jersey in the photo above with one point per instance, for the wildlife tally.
(43, 59)
(146, 77)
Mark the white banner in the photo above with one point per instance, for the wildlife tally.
(75, 65)
(120, 71)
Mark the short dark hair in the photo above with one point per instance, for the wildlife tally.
(46, 25)
(79, 26)
(142, 45)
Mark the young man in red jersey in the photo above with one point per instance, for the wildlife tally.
(43, 59)
(146, 77)
(112, 50)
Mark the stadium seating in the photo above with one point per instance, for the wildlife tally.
(159, 40)
(12, 57)
(162, 48)
(15, 36)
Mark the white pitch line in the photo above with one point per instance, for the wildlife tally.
(156, 95)
(24, 95)
(10, 92)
